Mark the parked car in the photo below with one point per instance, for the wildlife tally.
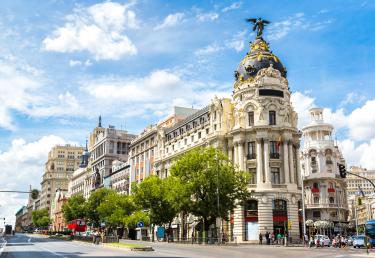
(323, 240)
(359, 241)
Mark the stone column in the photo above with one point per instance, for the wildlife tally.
(230, 152)
(299, 175)
(293, 217)
(259, 162)
(286, 162)
(267, 171)
(240, 155)
(235, 153)
(291, 167)
(239, 224)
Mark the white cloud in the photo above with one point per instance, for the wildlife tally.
(203, 17)
(99, 30)
(17, 86)
(23, 165)
(86, 63)
(298, 21)
(302, 103)
(233, 6)
(208, 50)
(361, 122)
(353, 98)
(171, 20)
(359, 154)
(237, 42)
(154, 92)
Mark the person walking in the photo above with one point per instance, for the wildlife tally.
(306, 240)
(260, 238)
(273, 238)
(279, 236)
(268, 238)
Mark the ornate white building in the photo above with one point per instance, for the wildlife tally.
(257, 128)
(325, 191)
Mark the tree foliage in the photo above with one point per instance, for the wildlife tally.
(212, 182)
(115, 208)
(75, 208)
(41, 218)
(137, 216)
(94, 201)
(153, 195)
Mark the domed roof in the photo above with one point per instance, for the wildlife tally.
(258, 58)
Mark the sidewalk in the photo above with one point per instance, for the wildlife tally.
(3, 242)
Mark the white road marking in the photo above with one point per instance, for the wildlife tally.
(29, 240)
(52, 252)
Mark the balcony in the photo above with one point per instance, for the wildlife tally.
(329, 162)
(251, 156)
(315, 190)
(274, 155)
(331, 190)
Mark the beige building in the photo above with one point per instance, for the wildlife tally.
(355, 183)
(80, 182)
(257, 128)
(105, 146)
(62, 162)
(119, 179)
(144, 147)
(58, 221)
(325, 196)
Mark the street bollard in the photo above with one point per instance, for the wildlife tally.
(285, 241)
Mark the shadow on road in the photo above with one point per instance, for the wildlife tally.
(34, 254)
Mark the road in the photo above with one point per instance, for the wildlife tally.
(20, 246)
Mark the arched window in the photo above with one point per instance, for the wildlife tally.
(279, 205)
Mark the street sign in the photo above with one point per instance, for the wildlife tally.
(140, 224)
(290, 223)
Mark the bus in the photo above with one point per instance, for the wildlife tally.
(370, 231)
(77, 225)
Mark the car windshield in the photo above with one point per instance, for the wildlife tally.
(360, 237)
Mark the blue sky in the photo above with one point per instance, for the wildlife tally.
(62, 63)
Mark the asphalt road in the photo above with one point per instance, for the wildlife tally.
(39, 247)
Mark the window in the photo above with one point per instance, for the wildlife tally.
(313, 161)
(316, 185)
(199, 135)
(253, 176)
(251, 150)
(274, 150)
(272, 118)
(316, 200)
(331, 200)
(207, 130)
(275, 175)
(185, 141)
(192, 138)
(251, 118)
(316, 214)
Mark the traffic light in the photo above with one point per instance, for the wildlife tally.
(342, 170)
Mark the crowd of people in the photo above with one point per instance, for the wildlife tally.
(271, 238)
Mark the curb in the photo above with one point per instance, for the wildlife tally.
(145, 249)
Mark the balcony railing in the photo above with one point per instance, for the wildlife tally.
(251, 156)
(274, 155)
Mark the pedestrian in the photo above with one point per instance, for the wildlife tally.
(311, 242)
(279, 236)
(192, 237)
(268, 237)
(260, 238)
(273, 238)
(306, 239)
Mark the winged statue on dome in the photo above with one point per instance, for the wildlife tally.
(259, 25)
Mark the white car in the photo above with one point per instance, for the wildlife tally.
(323, 240)
(359, 241)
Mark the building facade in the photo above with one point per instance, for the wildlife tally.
(356, 184)
(257, 128)
(119, 179)
(58, 221)
(105, 146)
(62, 162)
(80, 182)
(21, 219)
(325, 193)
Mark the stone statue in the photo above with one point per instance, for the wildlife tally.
(258, 25)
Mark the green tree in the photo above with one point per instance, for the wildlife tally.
(153, 195)
(115, 208)
(137, 216)
(41, 218)
(75, 208)
(213, 183)
(95, 199)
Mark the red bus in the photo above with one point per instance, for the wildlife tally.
(77, 225)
